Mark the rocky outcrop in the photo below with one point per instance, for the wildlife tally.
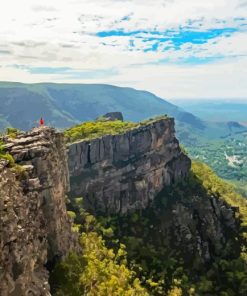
(35, 228)
(132, 171)
(117, 174)
(113, 116)
(198, 227)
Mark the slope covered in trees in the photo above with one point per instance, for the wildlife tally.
(136, 254)
(98, 270)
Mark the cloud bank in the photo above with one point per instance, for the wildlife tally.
(175, 48)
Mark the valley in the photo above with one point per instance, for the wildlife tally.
(228, 158)
(225, 154)
(225, 109)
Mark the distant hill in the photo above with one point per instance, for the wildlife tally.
(63, 105)
(216, 110)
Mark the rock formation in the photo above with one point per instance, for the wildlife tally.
(113, 116)
(117, 174)
(130, 171)
(198, 227)
(34, 227)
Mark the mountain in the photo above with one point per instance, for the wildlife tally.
(63, 105)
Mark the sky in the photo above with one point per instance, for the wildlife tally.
(174, 48)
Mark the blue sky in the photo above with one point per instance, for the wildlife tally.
(174, 48)
(178, 37)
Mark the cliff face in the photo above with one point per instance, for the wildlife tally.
(124, 173)
(116, 174)
(35, 229)
(198, 227)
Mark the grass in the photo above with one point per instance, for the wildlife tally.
(12, 133)
(94, 129)
(240, 186)
(6, 156)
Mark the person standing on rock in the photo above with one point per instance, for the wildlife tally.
(41, 122)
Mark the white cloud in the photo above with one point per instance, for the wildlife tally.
(56, 33)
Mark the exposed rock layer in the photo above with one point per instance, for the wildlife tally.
(35, 228)
(116, 174)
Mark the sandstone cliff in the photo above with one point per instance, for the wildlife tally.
(117, 174)
(34, 226)
(131, 171)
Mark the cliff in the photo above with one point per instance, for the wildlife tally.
(196, 225)
(143, 169)
(35, 229)
(170, 228)
(120, 173)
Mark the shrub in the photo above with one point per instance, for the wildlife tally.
(6, 156)
(12, 132)
(100, 127)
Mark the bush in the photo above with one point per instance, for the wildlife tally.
(12, 132)
(98, 271)
(95, 129)
(6, 156)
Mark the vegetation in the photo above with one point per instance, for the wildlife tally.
(98, 270)
(5, 155)
(95, 129)
(18, 169)
(125, 255)
(12, 132)
(215, 185)
(170, 268)
(227, 157)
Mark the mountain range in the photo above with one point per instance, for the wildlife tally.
(64, 105)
